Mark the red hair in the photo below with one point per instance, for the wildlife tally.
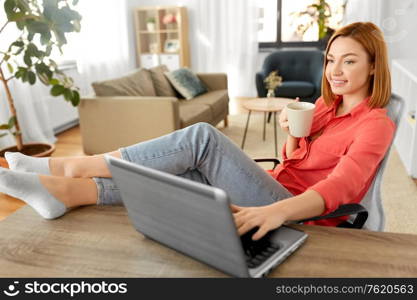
(372, 40)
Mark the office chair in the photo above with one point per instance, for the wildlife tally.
(301, 71)
(369, 213)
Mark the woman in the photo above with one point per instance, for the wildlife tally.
(334, 165)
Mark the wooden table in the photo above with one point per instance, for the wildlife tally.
(100, 242)
(265, 105)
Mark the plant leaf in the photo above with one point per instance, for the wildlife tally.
(9, 7)
(57, 90)
(12, 122)
(36, 26)
(43, 78)
(20, 24)
(27, 59)
(68, 94)
(31, 77)
(54, 81)
(76, 98)
(10, 67)
(18, 44)
(25, 75)
(45, 39)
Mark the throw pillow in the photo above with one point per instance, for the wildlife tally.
(138, 83)
(162, 86)
(186, 83)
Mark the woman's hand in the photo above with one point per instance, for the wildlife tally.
(283, 118)
(265, 217)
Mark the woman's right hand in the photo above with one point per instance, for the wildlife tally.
(283, 118)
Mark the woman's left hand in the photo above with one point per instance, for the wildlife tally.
(265, 217)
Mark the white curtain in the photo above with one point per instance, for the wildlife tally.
(224, 40)
(102, 46)
(101, 51)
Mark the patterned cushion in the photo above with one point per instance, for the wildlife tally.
(138, 83)
(186, 83)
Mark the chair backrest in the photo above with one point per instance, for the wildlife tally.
(298, 65)
(372, 200)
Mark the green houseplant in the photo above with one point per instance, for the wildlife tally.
(42, 28)
(318, 13)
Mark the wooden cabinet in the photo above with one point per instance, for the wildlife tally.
(162, 36)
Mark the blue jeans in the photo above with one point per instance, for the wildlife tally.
(201, 153)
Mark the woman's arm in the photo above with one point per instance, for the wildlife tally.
(291, 145)
(306, 205)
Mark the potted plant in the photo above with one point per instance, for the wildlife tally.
(317, 13)
(150, 23)
(272, 81)
(42, 28)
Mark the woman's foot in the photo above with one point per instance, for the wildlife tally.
(20, 162)
(74, 167)
(28, 187)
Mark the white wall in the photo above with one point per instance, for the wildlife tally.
(399, 25)
(396, 18)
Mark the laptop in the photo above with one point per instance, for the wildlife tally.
(195, 219)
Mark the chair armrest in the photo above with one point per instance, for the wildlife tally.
(260, 86)
(108, 123)
(214, 81)
(343, 210)
(346, 210)
(274, 160)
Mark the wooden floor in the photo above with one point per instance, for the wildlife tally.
(69, 144)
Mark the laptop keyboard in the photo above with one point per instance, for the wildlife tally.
(257, 252)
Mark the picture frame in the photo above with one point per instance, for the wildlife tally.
(171, 45)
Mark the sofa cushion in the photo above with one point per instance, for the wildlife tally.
(218, 101)
(162, 85)
(191, 113)
(138, 83)
(186, 83)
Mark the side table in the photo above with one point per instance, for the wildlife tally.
(265, 105)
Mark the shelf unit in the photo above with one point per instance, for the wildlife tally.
(163, 43)
(404, 84)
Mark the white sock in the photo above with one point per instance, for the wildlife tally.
(27, 187)
(20, 162)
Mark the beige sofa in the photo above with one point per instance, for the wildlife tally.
(108, 123)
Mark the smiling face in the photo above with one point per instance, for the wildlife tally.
(348, 69)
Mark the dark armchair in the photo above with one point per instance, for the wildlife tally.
(301, 71)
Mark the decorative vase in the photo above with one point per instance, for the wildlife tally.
(270, 94)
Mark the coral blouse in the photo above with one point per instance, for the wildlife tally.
(340, 163)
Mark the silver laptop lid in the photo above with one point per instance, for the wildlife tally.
(190, 217)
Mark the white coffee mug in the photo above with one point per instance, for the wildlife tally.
(300, 118)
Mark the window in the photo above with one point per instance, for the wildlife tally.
(296, 23)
